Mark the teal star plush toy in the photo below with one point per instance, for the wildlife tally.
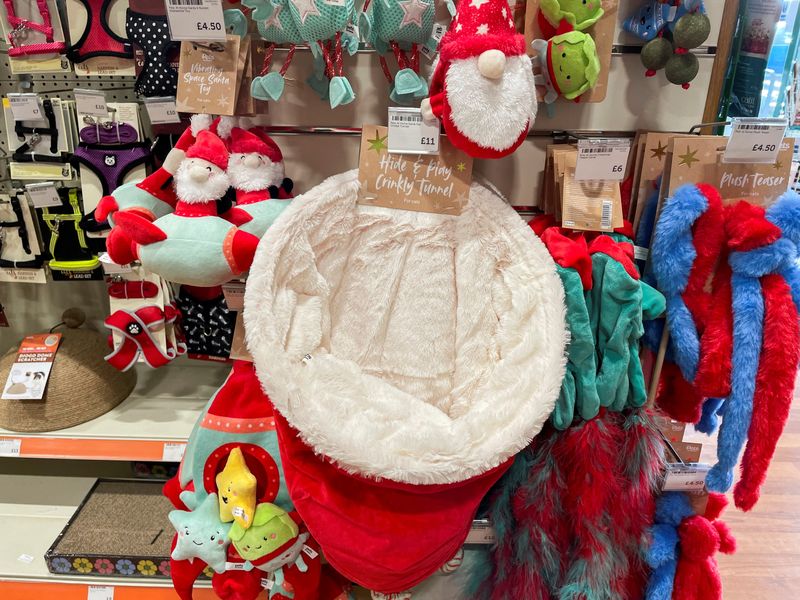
(201, 534)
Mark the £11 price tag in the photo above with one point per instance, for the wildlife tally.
(602, 159)
(91, 102)
(756, 141)
(409, 134)
(25, 107)
(162, 111)
(196, 20)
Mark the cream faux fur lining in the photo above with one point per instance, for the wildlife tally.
(436, 343)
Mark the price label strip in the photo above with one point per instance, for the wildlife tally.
(43, 195)
(91, 102)
(755, 141)
(162, 111)
(685, 477)
(173, 451)
(25, 107)
(10, 447)
(602, 159)
(409, 134)
(100, 592)
(196, 20)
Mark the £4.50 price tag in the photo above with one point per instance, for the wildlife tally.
(196, 20)
(25, 107)
(685, 477)
(602, 159)
(409, 134)
(162, 110)
(755, 141)
(92, 103)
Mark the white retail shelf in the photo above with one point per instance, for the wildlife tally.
(159, 414)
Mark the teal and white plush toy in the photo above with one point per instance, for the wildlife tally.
(323, 24)
(401, 27)
(277, 26)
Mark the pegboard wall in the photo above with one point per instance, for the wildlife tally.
(118, 89)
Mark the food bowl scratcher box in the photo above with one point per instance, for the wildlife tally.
(120, 529)
(602, 32)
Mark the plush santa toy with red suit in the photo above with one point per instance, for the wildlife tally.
(482, 89)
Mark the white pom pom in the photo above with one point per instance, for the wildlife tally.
(491, 64)
(200, 122)
(226, 124)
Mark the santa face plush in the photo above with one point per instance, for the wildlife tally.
(496, 81)
(254, 171)
(198, 180)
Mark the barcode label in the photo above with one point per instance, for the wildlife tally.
(756, 141)
(605, 214)
(748, 127)
(186, 2)
(406, 118)
(596, 150)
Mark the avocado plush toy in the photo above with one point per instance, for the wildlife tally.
(569, 65)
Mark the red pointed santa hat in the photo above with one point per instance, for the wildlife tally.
(481, 25)
(210, 148)
(254, 141)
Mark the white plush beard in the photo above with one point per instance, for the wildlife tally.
(188, 190)
(251, 179)
(492, 112)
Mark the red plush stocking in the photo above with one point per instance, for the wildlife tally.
(238, 585)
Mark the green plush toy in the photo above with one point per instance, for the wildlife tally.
(569, 65)
(272, 529)
(578, 14)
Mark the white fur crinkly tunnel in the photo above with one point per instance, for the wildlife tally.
(409, 356)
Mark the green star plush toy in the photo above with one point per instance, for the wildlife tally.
(568, 63)
(559, 16)
(201, 534)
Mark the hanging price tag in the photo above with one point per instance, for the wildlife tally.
(685, 477)
(43, 195)
(756, 141)
(196, 20)
(481, 532)
(602, 159)
(10, 446)
(100, 592)
(162, 110)
(173, 452)
(409, 134)
(92, 103)
(25, 107)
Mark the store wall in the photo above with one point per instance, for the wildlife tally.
(633, 101)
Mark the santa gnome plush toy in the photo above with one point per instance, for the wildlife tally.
(482, 89)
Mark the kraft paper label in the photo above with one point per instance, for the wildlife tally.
(421, 182)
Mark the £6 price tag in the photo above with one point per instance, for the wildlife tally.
(409, 134)
(756, 141)
(602, 159)
(25, 107)
(162, 110)
(196, 20)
